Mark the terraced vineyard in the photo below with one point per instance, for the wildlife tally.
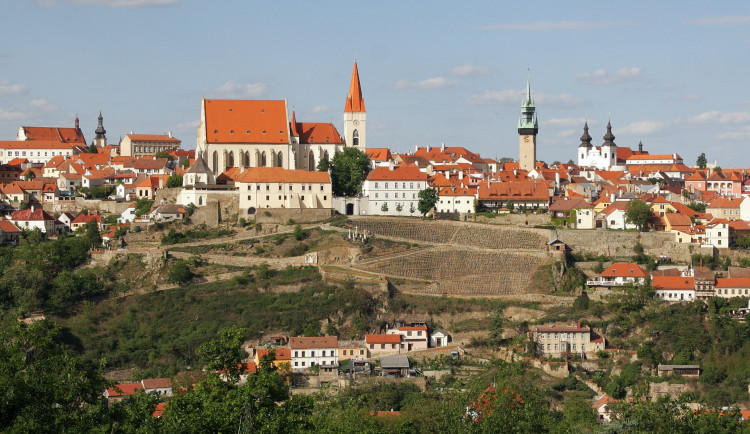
(459, 258)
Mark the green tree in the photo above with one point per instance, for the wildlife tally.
(225, 353)
(180, 273)
(164, 154)
(349, 168)
(92, 149)
(638, 213)
(581, 302)
(427, 200)
(142, 206)
(701, 161)
(323, 164)
(91, 234)
(174, 180)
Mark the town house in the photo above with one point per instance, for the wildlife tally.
(394, 190)
(311, 351)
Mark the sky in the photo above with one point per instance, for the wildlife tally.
(671, 74)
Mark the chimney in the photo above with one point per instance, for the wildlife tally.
(427, 148)
(416, 148)
(460, 174)
(557, 179)
(32, 208)
(442, 147)
(579, 323)
(390, 165)
(170, 134)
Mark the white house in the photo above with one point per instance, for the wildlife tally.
(620, 274)
(717, 234)
(276, 187)
(311, 351)
(440, 338)
(160, 386)
(674, 288)
(413, 337)
(394, 190)
(456, 200)
(128, 215)
(35, 218)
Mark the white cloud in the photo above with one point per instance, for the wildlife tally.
(720, 117)
(538, 26)
(736, 20)
(601, 76)
(42, 104)
(489, 97)
(232, 89)
(430, 83)
(187, 125)
(642, 128)
(11, 115)
(124, 3)
(8, 88)
(735, 135)
(469, 70)
(321, 109)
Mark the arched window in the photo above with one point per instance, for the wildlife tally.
(355, 136)
(230, 161)
(257, 159)
(215, 162)
(273, 158)
(246, 159)
(263, 159)
(200, 200)
(280, 160)
(311, 161)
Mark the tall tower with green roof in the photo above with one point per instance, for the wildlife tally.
(528, 127)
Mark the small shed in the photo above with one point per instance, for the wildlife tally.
(395, 365)
(440, 338)
(684, 370)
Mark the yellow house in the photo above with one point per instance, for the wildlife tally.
(352, 350)
(283, 359)
(661, 206)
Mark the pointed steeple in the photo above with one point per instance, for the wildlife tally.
(293, 125)
(528, 119)
(609, 138)
(100, 131)
(354, 101)
(585, 138)
(529, 101)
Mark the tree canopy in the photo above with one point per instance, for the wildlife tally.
(427, 200)
(701, 161)
(349, 168)
(638, 213)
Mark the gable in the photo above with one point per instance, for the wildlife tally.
(246, 121)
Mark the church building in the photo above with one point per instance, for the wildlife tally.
(259, 133)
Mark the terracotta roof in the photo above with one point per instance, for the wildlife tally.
(67, 135)
(570, 204)
(423, 328)
(624, 269)
(281, 353)
(303, 343)
(399, 173)
(673, 283)
(90, 159)
(246, 121)
(653, 168)
(149, 163)
(458, 191)
(354, 101)
(379, 154)
(85, 218)
(318, 132)
(156, 383)
(604, 399)
(33, 144)
(733, 282)
(519, 190)
(37, 214)
(383, 339)
(677, 219)
(123, 389)
(278, 174)
(8, 227)
(153, 138)
(159, 410)
(695, 176)
(725, 202)
(655, 157)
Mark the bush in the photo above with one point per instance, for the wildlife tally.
(180, 273)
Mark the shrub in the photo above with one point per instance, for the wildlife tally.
(180, 273)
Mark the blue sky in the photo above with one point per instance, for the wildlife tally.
(672, 74)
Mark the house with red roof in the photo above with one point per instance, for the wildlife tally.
(530, 195)
(121, 390)
(36, 218)
(276, 187)
(282, 357)
(71, 136)
(456, 200)
(83, 218)
(674, 288)
(379, 156)
(159, 386)
(9, 233)
(383, 344)
(15, 194)
(613, 216)
(394, 190)
(730, 208)
(413, 336)
(732, 287)
(147, 187)
(313, 351)
(620, 274)
(601, 407)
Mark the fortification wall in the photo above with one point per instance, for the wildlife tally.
(299, 215)
(621, 243)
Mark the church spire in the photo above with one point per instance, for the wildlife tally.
(609, 138)
(585, 138)
(100, 131)
(354, 101)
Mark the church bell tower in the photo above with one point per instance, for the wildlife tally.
(528, 127)
(355, 116)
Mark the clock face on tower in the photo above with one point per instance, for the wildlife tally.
(526, 139)
(356, 123)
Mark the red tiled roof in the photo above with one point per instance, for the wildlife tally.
(159, 410)
(246, 121)
(8, 227)
(570, 204)
(423, 328)
(85, 218)
(156, 383)
(318, 132)
(733, 282)
(383, 339)
(303, 343)
(458, 191)
(279, 174)
(67, 135)
(673, 282)
(725, 202)
(604, 399)
(354, 101)
(562, 329)
(33, 144)
(399, 173)
(123, 389)
(677, 219)
(655, 157)
(36, 214)
(624, 269)
(517, 190)
(378, 154)
(281, 353)
(153, 138)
